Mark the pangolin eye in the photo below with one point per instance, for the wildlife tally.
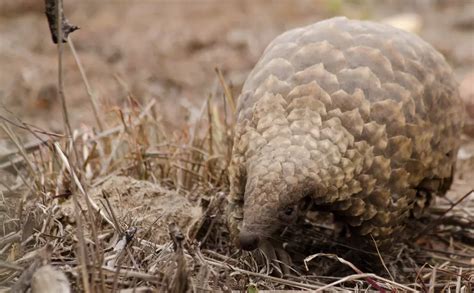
(289, 211)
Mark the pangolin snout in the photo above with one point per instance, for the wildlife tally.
(248, 240)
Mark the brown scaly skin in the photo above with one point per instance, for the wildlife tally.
(355, 115)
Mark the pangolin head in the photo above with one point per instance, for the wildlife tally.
(274, 198)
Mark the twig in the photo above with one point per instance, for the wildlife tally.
(82, 246)
(91, 95)
(119, 248)
(29, 128)
(448, 252)
(227, 91)
(458, 281)
(227, 97)
(381, 259)
(432, 280)
(133, 274)
(60, 29)
(263, 276)
(438, 220)
(108, 208)
(33, 146)
(346, 279)
(455, 261)
(79, 185)
(418, 277)
(17, 143)
(351, 265)
(58, 23)
(209, 115)
(10, 266)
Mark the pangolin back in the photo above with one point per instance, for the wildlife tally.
(360, 116)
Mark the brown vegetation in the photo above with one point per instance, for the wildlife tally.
(137, 203)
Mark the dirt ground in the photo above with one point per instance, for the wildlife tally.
(167, 51)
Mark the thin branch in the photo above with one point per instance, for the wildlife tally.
(55, 22)
(438, 220)
(90, 93)
(28, 127)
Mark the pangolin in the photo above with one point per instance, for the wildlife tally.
(362, 119)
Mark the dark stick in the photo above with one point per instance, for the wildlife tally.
(438, 220)
(66, 27)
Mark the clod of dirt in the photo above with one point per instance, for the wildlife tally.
(147, 206)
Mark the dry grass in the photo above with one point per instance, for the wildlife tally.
(102, 249)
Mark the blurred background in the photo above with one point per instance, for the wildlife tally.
(168, 50)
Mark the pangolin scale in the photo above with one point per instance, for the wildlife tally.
(359, 117)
